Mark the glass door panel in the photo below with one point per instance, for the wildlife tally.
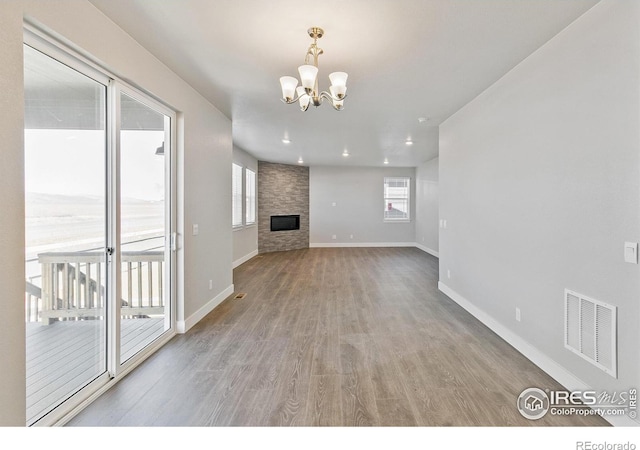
(144, 299)
(65, 204)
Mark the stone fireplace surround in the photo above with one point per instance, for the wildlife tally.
(282, 190)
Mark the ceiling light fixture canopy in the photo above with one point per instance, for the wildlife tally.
(308, 93)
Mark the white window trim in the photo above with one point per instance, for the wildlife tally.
(240, 225)
(408, 198)
(245, 224)
(246, 198)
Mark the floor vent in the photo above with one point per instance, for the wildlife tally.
(590, 330)
(240, 296)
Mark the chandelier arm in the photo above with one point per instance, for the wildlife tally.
(328, 96)
(289, 102)
(323, 95)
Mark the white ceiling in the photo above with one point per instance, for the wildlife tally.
(406, 59)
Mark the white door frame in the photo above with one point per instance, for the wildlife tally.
(41, 41)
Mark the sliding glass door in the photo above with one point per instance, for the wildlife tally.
(98, 226)
(144, 134)
(65, 156)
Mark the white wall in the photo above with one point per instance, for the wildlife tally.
(245, 239)
(12, 328)
(427, 206)
(358, 194)
(539, 184)
(205, 159)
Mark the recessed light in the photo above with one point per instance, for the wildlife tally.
(286, 141)
(408, 142)
(300, 161)
(386, 161)
(422, 119)
(345, 153)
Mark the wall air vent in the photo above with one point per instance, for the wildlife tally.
(590, 330)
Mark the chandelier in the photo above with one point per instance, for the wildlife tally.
(308, 93)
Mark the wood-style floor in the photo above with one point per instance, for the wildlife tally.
(331, 337)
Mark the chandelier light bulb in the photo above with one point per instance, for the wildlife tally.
(338, 92)
(308, 74)
(303, 98)
(288, 85)
(338, 84)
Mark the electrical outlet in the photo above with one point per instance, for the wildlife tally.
(333, 236)
(518, 317)
(351, 236)
(195, 229)
(210, 284)
(448, 274)
(631, 252)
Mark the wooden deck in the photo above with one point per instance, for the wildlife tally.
(64, 356)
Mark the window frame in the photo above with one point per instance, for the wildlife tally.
(237, 197)
(250, 195)
(386, 200)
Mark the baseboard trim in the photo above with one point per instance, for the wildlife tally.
(361, 244)
(555, 370)
(244, 259)
(374, 244)
(428, 250)
(182, 326)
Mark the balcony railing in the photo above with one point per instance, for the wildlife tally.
(72, 286)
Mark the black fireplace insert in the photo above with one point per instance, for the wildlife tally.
(283, 223)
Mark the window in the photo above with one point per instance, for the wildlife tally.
(240, 218)
(396, 199)
(250, 193)
(236, 192)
